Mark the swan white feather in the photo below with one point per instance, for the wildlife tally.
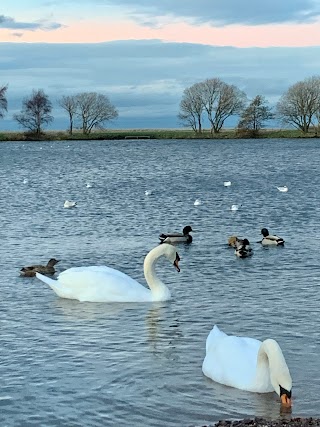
(105, 284)
(246, 363)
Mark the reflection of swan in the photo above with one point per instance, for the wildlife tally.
(105, 284)
(283, 189)
(247, 364)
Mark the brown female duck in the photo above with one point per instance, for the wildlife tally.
(43, 269)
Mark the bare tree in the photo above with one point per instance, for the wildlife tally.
(191, 108)
(300, 103)
(35, 112)
(3, 101)
(254, 116)
(70, 104)
(94, 109)
(221, 101)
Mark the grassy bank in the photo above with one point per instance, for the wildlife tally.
(151, 134)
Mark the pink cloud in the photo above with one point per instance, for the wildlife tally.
(235, 35)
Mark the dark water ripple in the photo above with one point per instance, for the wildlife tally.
(65, 363)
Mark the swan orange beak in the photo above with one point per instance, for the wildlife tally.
(285, 401)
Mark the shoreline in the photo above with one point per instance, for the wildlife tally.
(146, 134)
(264, 422)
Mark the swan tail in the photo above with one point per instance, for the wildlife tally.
(46, 279)
(59, 289)
(213, 336)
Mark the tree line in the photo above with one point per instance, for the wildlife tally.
(212, 99)
(216, 100)
(86, 110)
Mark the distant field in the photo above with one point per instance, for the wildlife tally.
(152, 134)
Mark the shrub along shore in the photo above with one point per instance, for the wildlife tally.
(135, 134)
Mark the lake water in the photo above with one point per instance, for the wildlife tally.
(66, 363)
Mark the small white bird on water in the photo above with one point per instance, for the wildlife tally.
(227, 183)
(283, 189)
(148, 192)
(69, 204)
(235, 207)
(88, 185)
(25, 181)
(197, 202)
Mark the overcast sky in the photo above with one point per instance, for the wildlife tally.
(144, 53)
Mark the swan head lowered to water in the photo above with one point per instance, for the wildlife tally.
(105, 284)
(247, 364)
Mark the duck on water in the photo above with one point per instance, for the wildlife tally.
(184, 237)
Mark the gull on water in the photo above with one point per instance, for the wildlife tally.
(283, 189)
(69, 204)
(227, 183)
(235, 207)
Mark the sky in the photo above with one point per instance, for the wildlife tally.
(142, 54)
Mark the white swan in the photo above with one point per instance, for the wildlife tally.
(68, 204)
(197, 202)
(148, 193)
(88, 185)
(247, 364)
(283, 189)
(105, 284)
(227, 183)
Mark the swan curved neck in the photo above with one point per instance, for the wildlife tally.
(271, 365)
(158, 289)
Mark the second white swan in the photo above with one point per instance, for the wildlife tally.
(105, 284)
(247, 364)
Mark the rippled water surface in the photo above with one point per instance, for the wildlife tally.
(65, 363)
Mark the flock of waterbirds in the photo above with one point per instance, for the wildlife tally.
(224, 353)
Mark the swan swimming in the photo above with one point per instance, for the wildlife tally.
(148, 193)
(69, 204)
(197, 202)
(88, 185)
(105, 284)
(227, 183)
(247, 364)
(283, 189)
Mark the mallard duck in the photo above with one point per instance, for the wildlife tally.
(44, 269)
(269, 239)
(247, 364)
(172, 238)
(233, 241)
(105, 284)
(243, 249)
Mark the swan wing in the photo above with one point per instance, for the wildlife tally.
(97, 284)
(231, 360)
